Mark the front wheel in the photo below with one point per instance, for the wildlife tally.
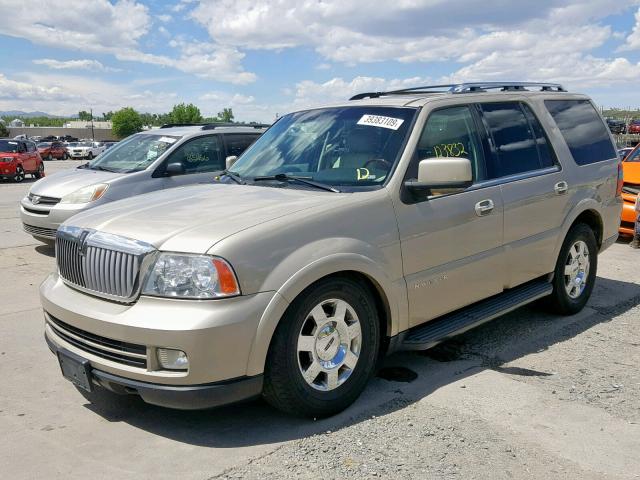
(575, 271)
(90, 156)
(324, 350)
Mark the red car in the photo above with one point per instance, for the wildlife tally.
(634, 127)
(19, 158)
(51, 150)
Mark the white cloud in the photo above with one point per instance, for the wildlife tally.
(92, 65)
(164, 18)
(633, 40)
(11, 90)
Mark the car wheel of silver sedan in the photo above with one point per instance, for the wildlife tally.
(324, 350)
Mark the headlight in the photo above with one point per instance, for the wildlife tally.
(191, 276)
(7, 159)
(86, 194)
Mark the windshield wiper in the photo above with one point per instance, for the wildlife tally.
(234, 176)
(283, 177)
(103, 169)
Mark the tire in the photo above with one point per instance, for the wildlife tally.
(65, 156)
(19, 176)
(90, 156)
(579, 239)
(311, 325)
(40, 172)
(49, 157)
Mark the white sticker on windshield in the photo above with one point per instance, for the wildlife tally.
(167, 140)
(380, 121)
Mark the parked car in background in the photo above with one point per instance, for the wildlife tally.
(108, 145)
(83, 150)
(616, 126)
(392, 221)
(634, 126)
(630, 190)
(147, 161)
(19, 158)
(51, 150)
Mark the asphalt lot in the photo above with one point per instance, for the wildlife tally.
(528, 395)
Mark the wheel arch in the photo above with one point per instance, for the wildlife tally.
(353, 266)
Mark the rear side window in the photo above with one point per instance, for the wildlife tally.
(515, 144)
(585, 133)
(238, 143)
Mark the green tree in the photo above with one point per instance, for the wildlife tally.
(107, 115)
(226, 115)
(83, 115)
(4, 131)
(185, 113)
(126, 121)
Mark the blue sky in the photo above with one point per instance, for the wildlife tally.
(264, 58)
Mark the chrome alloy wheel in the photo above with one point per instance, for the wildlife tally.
(576, 270)
(329, 344)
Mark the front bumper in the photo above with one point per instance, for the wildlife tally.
(192, 397)
(7, 169)
(216, 335)
(629, 214)
(42, 221)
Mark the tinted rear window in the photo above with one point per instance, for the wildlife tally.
(586, 135)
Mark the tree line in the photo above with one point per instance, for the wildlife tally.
(127, 121)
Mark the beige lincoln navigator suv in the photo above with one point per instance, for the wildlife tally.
(391, 221)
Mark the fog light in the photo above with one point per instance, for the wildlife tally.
(171, 359)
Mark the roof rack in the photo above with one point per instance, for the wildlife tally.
(469, 87)
(211, 126)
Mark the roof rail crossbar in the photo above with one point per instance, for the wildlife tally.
(468, 87)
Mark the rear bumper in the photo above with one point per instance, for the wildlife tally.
(191, 397)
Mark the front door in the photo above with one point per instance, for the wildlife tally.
(452, 250)
(200, 158)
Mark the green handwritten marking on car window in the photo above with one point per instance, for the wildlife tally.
(450, 150)
(196, 158)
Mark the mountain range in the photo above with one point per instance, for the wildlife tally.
(19, 113)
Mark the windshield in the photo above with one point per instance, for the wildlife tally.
(8, 146)
(44, 145)
(633, 156)
(344, 146)
(134, 153)
(73, 144)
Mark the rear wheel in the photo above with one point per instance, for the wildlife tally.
(324, 351)
(19, 176)
(49, 157)
(575, 271)
(65, 156)
(40, 172)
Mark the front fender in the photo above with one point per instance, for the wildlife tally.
(293, 280)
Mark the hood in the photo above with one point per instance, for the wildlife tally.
(194, 218)
(631, 172)
(62, 183)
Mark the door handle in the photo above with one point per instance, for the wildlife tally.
(484, 207)
(561, 187)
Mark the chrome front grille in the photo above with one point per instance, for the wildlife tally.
(102, 264)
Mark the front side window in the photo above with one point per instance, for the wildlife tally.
(450, 132)
(341, 146)
(514, 142)
(133, 154)
(586, 135)
(204, 154)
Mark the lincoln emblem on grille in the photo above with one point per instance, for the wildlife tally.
(82, 243)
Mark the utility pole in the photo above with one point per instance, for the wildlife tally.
(93, 136)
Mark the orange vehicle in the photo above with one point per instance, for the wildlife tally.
(630, 190)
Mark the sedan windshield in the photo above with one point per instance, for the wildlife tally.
(345, 146)
(134, 153)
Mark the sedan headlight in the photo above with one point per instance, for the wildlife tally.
(191, 276)
(86, 194)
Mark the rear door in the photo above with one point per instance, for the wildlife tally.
(32, 153)
(236, 143)
(201, 158)
(534, 188)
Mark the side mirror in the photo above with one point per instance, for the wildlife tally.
(174, 169)
(229, 161)
(442, 173)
